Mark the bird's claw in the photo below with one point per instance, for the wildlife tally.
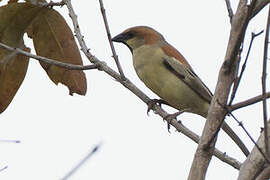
(152, 102)
(170, 117)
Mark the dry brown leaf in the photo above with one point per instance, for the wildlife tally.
(53, 39)
(11, 78)
(14, 19)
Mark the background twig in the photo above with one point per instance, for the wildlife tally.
(9, 141)
(87, 157)
(2, 169)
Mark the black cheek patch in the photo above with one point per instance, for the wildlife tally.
(128, 46)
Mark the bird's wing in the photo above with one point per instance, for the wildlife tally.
(187, 75)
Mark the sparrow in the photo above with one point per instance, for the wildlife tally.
(166, 72)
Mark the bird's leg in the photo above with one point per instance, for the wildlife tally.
(152, 102)
(170, 117)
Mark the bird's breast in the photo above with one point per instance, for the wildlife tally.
(150, 68)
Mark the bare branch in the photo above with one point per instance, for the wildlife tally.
(260, 4)
(129, 85)
(78, 34)
(110, 39)
(217, 113)
(248, 102)
(265, 174)
(49, 61)
(251, 138)
(266, 41)
(222, 156)
(229, 8)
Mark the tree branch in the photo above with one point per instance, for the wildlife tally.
(217, 113)
(260, 4)
(265, 174)
(251, 138)
(248, 102)
(266, 41)
(115, 57)
(49, 61)
(238, 79)
(255, 162)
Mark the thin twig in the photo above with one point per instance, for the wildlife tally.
(248, 102)
(255, 162)
(237, 36)
(237, 80)
(49, 61)
(229, 8)
(265, 54)
(78, 34)
(242, 126)
(247, 133)
(129, 85)
(250, 137)
(115, 57)
(87, 157)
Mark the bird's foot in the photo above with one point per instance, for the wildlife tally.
(152, 102)
(170, 117)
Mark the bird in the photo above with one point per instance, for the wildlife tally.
(165, 71)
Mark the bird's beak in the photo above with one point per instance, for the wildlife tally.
(123, 37)
(119, 38)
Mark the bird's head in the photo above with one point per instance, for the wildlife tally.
(137, 36)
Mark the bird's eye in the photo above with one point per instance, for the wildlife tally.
(129, 35)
